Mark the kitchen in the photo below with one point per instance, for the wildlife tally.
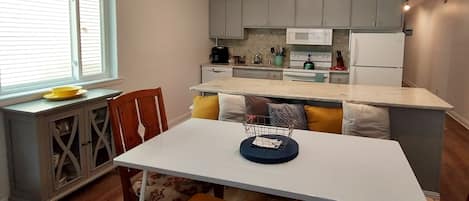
(255, 50)
(356, 42)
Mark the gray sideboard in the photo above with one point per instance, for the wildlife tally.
(55, 147)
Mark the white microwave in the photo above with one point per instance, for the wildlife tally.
(309, 36)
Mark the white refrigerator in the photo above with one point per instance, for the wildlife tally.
(376, 58)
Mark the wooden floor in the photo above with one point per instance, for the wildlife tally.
(454, 175)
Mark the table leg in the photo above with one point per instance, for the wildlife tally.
(144, 185)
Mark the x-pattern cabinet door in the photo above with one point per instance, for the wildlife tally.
(67, 153)
(101, 144)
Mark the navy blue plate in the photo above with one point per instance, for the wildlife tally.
(269, 156)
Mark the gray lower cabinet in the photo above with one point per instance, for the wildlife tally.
(255, 13)
(281, 13)
(389, 14)
(258, 73)
(363, 13)
(56, 147)
(225, 19)
(308, 13)
(339, 78)
(337, 13)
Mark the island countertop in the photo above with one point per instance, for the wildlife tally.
(417, 98)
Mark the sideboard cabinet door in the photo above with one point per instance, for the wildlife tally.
(67, 149)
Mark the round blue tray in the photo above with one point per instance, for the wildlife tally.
(269, 156)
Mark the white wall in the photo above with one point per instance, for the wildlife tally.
(160, 43)
(437, 54)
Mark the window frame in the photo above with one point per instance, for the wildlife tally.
(108, 53)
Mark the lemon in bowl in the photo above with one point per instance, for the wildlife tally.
(65, 91)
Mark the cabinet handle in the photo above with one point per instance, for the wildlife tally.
(86, 143)
(217, 71)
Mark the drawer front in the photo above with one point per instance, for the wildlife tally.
(257, 74)
(339, 78)
(213, 73)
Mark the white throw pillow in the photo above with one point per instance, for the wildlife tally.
(365, 120)
(232, 107)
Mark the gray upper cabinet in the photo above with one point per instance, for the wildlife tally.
(234, 23)
(389, 14)
(255, 13)
(337, 13)
(225, 19)
(281, 13)
(217, 18)
(363, 13)
(308, 13)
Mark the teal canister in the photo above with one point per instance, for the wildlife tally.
(278, 61)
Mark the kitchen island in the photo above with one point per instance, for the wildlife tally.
(417, 116)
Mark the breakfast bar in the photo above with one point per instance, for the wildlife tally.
(417, 116)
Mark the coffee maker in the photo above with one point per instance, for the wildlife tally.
(219, 54)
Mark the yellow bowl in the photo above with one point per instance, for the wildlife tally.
(65, 91)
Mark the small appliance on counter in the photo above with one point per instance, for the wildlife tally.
(340, 63)
(220, 54)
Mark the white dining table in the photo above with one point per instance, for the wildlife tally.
(328, 166)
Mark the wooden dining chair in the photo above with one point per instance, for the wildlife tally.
(136, 117)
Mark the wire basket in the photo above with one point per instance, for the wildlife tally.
(263, 126)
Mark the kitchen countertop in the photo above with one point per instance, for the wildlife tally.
(261, 67)
(417, 98)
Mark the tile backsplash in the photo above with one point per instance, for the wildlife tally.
(261, 40)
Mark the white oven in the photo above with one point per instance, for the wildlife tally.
(306, 75)
(309, 36)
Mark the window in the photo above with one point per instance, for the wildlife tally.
(46, 43)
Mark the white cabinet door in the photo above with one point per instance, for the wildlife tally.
(376, 76)
(213, 73)
(377, 49)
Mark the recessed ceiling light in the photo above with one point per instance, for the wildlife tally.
(407, 6)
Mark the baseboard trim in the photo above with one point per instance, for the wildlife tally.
(410, 83)
(431, 194)
(179, 119)
(460, 119)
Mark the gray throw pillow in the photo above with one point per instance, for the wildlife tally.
(257, 105)
(365, 120)
(281, 114)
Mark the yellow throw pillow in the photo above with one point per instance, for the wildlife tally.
(205, 107)
(324, 119)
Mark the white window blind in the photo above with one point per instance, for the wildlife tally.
(45, 43)
(34, 41)
(90, 23)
